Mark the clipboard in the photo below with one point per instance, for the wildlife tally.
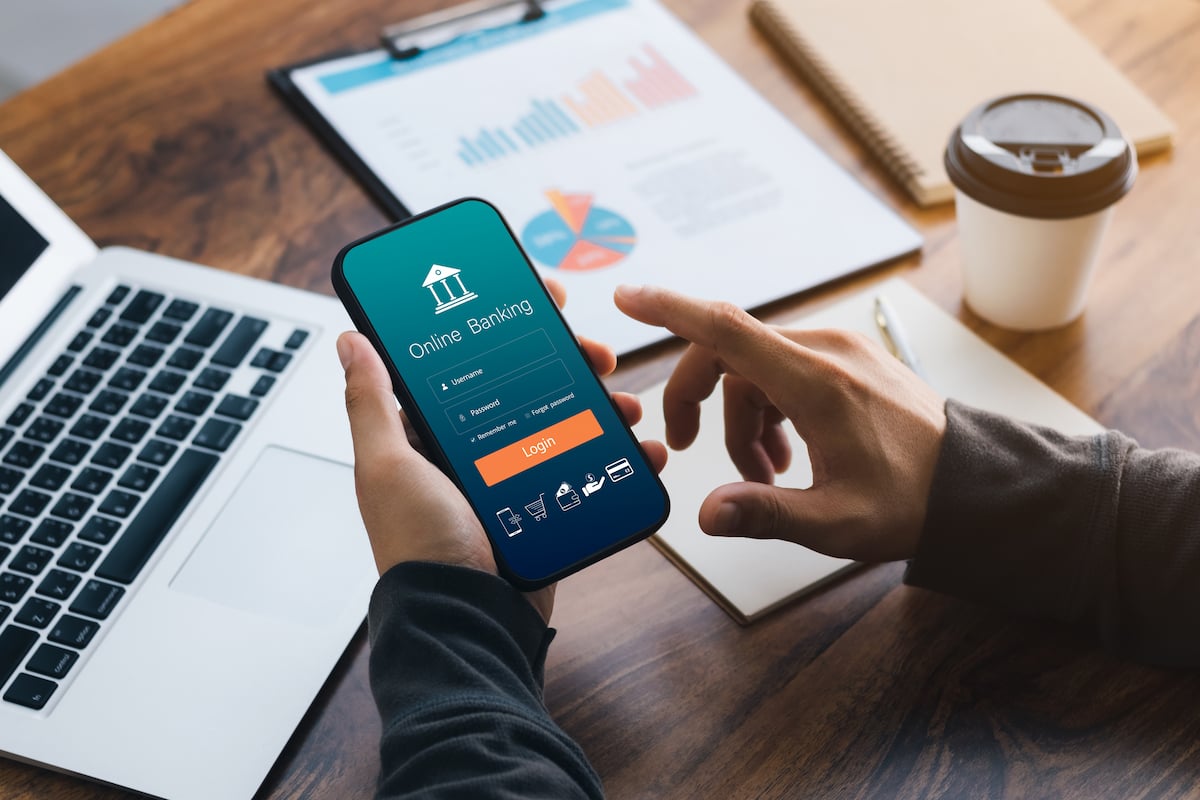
(617, 144)
(402, 40)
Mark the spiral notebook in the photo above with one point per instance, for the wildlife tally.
(749, 578)
(902, 75)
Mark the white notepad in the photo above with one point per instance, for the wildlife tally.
(749, 577)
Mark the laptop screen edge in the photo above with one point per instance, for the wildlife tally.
(43, 283)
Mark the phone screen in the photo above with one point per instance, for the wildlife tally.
(497, 379)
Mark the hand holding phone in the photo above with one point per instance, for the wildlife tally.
(501, 396)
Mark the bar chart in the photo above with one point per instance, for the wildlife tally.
(646, 81)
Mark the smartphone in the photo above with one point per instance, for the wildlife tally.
(496, 385)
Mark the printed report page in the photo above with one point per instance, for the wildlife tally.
(621, 150)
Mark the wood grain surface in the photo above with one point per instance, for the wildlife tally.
(171, 141)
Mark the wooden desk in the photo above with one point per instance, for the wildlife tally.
(170, 141)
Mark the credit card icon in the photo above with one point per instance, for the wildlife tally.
(619, 470)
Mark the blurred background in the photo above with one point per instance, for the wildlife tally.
(39, 38)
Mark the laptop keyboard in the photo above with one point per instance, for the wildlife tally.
(103, 455)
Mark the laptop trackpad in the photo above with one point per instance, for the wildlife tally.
(289, 534)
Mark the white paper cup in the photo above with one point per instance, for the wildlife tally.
(1036, 178)
(1024, 273)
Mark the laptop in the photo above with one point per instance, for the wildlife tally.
(182, 561)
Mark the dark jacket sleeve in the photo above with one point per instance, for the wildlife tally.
(456, 669)
(1089, 530)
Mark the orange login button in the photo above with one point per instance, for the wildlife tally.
(538, 448)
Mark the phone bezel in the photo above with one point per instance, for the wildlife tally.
(416, 416)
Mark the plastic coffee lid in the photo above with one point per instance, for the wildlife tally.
(1042, 156)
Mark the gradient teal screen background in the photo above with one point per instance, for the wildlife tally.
(482, 351)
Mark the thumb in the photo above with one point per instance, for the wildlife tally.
(375, 423)
(816, 518)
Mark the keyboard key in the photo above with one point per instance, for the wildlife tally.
(185, 358)
(40, 389)
(133, 549)
(127, 379)
(149, 406)
(37, 612)
(15, 643)
(80, 341)
(235, 347)
(146, 355)
(182, 310)
(30, 691)
(91, 480)
(73, 631)
(4, 612)
(101, 358)
(64, 404)
(6, 436)
(142, 306)
(111, 455)
(99, 318)
(211, 379)
(130, 430)
(138, 477)
(9, 479)
(83, 381)
(72, 506)
(108, 402)
(58, 584)
(50, 477)
(70, 452)
(168, 382)
(97, 599)
(208, 327)
(89, 426)
(79, 557)
(24, 454)
(100, 530)
(195, 403)
(157, 452)
(118, 294)
(29, 503)
(120, 335)
(263, 385)
(44, 429)
(236, 406)
(13, 528)
(31, 560)
(217, 434)
(296, 339)
(52, 532)
(163, 332)
(19, 414)
(119, 503)
(60, 365)
(13, 587)
(176, 427)
(262, 359)
(54, 662)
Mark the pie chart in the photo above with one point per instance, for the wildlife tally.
(576, 236)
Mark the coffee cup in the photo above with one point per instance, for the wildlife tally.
(1036, 177)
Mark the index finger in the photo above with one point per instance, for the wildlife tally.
(740, 342)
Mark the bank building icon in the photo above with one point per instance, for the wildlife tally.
(446, 285)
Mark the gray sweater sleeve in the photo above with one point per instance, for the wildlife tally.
(1087, 530)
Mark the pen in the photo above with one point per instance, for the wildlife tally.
(895, 338)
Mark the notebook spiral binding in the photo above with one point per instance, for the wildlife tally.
(841, 99)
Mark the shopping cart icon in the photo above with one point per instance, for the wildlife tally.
(537, 509)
